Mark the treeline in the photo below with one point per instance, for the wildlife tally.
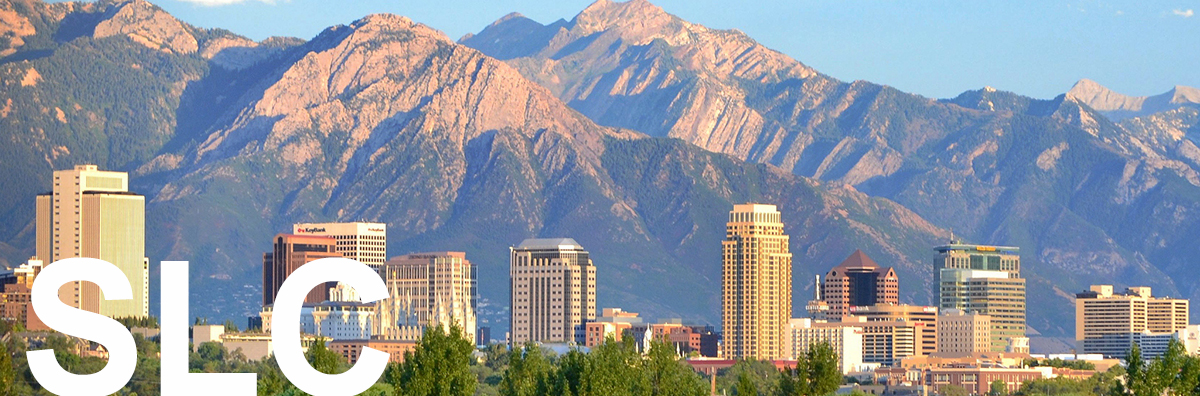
(445, 363)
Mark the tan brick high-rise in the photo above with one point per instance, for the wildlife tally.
(553, 291)
(756, 274)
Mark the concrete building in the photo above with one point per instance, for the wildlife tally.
(352, 349)
(336, 320)
(15, 301)
(428, 288)
(961, 333)
(553, 291)
(289, 253)
(756, 287)
(887, 342)
(958, 255)
(1109, 323)
(91, 213)
(923, 319)
(365, 242)
(858, 281)
(614, 323)
(978, 380)
(996, 294)
(846, 341)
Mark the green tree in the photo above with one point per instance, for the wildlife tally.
(816, 373)
(440, 365)
(528, 372)
(670, 377)
(997, 388)
(7, 373)
(745, 387)
(325, 360)
(952, 390)
(615, 368)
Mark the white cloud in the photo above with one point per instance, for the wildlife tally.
(1184, 13)
(214, 3)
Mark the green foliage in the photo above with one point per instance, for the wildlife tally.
(816, 373)
(131, 322)
(528, 372)
(1056, 362)
(953, 390)
(438, 367)
(325, 360)
(1101, 384)
(745, 386)
(669, 376)
(7, 374)
(997, 388)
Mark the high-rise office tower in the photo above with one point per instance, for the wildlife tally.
(553, 291)
(1109, 323)
(756, 273)
(858, 282)
(288, 253)
(992, 293)
(428, 288)
(91, 213)
(365, 242)
(976, 257)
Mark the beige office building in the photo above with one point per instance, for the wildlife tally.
(923, 319)
(958, 255)
(553, 291)
(428, 288)
(756, 273)
(365, 242)
(1109, 323)
(91, 213)
(845, 339)
(887, 342)
(961, 333)
(992, 293)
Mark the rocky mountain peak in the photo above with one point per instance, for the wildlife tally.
(1184, 94)
(635, 19)
(146, 24)
(1101, 98)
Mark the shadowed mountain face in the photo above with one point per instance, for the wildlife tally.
(387, 120)
(1087, 199)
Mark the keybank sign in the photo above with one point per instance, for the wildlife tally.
(175, 378)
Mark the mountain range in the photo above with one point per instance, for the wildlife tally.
(627, 128)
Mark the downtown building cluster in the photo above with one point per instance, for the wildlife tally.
(975, 328)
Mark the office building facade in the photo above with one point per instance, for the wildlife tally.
(756, 274)
(845, 340)
(992, 293)
(1109, 323)
(365, 242)
(961, 333)
(288, 253)
(436, 288)
(923, 320)
(958, 255)
(553, 294)
(91, 213)
(856, 282)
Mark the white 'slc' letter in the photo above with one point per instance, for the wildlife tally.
(176, 380)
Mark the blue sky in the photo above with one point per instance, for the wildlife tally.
(931, 47)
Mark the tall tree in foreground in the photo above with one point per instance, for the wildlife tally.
(670, 377)
(745, 387)
(528, 372)
(816, 373)
(615, 368)
(7, 373)
(440, 365)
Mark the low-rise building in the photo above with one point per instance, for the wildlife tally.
(845, 340)
(352, 349)
(978, 380)
(963, 333)
(924, 320)
(613, 323)
(1109, 323)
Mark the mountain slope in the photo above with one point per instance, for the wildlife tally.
(1052, 176)
(388, 120)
